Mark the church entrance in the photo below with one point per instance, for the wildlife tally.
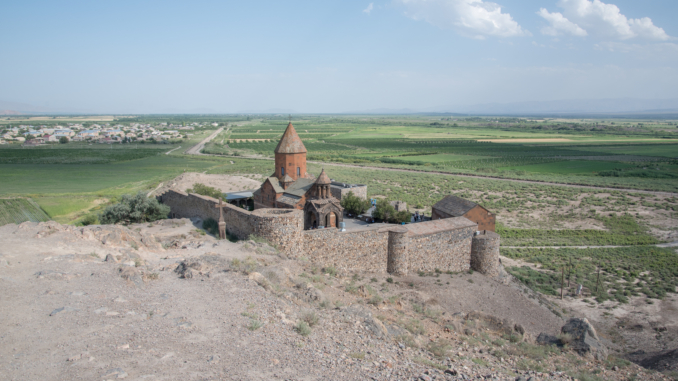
(331, 220)
(312, 220)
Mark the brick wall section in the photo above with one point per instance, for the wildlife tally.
(479, 215)
(441, 244)
(339, 191)
(281, 227)
(482, 217)
(290, 161)
(485, 253)
(363, 250)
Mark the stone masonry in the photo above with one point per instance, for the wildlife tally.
(485, 253)
(447, 244)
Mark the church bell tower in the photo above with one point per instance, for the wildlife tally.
(290, 156)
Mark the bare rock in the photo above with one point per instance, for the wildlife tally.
(260, 279)
(202, 265)
(584, 338)
(110, 258)
(504, 325)
(131, 274)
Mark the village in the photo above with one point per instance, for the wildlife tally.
(104, 133)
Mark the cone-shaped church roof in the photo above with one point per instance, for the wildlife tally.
(323, 179)
(290, 142)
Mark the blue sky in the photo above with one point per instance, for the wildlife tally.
(331, 56)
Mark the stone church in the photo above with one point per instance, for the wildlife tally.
(292, 187)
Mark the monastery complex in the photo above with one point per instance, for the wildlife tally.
(300, 215)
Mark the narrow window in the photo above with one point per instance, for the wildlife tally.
(282, 171)
(298, 171)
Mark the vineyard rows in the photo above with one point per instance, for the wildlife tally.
(18, 210)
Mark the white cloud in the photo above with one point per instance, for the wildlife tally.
(560, 25)
(474, 18)
(369, 8)
(606, 20)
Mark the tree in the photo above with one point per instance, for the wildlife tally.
(206, 191)
(134, 209)
(386, 212)
(63, 140)
(354, 204)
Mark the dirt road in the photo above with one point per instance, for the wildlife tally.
(195, 150)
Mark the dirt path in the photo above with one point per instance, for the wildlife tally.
(172, 150)
(195, 150)
(667, 244)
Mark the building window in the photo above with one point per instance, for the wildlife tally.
(298, 171)
(282, 171)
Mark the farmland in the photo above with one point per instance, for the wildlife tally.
(18, 210)
(74, 180)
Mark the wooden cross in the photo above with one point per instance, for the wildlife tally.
(222, 223)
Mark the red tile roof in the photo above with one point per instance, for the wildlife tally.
(290, 142)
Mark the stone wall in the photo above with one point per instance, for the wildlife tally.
(485, 253)
(441, 244)
(447, 244)
(282, 227)
(348, 252)
(338, 190)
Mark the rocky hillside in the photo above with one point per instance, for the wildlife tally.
(164, 301)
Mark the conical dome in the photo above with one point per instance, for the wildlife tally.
(290, 142)
(323, 179)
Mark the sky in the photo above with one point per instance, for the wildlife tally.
(331, 56)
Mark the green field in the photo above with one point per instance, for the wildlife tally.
(68, 182)
(18, 210)
(579, 167)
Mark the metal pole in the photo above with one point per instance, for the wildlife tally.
(562, 282)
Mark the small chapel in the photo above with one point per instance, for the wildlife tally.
(292, 187)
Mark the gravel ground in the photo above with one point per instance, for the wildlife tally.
(169, 302)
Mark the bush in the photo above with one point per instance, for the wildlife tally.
(134, 209)
(90, 219)
(302, 328)
(205, 190)
(354, 204)
(310, 318)
(386, 212)
(63, 140)
(211, 226)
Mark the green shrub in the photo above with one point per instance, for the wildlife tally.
(205, 190)
(90, 219)
(134, 209)
(302, 328)
(354, 204)
(211, 226)
(310, 318)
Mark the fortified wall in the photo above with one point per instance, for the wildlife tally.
(450, 244)
(282, 227)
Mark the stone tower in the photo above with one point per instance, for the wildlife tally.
(290, 156)
(322, 185)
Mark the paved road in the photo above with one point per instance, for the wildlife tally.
(195, 150)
